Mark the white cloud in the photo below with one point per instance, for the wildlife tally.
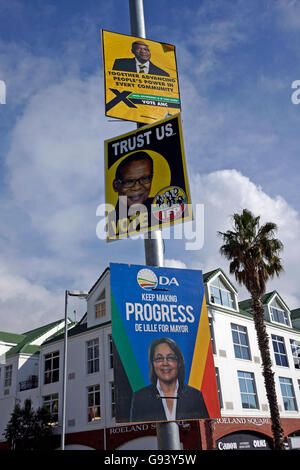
(289, 14)
(55, 167)
(56, 162)
(174, 263)
(226, 192)
(25, 305)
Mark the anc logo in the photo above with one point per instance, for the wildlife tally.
(168, 204)
(147, 279)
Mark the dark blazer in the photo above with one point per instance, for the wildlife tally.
(129, 65)
(146, 405)
(114, 217)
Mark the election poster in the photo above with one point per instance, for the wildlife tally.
(163, 361)
(140, 78)
(146, 180)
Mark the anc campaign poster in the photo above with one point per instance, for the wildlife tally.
(163, 361)
(146, 180)
(140, 78)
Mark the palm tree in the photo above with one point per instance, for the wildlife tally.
(253, 254)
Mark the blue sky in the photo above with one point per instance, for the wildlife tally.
(236, 62)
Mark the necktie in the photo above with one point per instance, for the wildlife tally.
(142, 68)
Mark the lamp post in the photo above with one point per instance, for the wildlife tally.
(81, 295)
(167, 432)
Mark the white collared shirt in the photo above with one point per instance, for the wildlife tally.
(170, 415)
(146, 66)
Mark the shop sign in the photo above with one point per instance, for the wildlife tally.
(243, 441)
(245, 421)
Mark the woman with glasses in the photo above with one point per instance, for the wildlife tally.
(168, 398)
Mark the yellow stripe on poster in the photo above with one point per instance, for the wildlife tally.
(200, 351)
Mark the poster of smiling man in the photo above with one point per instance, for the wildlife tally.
(163, 361)
(140, 78)
(146, 180)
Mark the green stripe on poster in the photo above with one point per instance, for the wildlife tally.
(124, 348)
(140, 96)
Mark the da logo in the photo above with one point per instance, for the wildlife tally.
(147, 279)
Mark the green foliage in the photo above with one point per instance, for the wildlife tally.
(28, 429)
(253, 252)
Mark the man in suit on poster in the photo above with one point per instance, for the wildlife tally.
(140, 63)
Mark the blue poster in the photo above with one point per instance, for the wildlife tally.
(161, 343)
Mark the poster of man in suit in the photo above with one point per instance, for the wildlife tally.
(146, 180)
(140, 78)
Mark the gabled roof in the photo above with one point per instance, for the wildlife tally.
(76, 330)
(24, 344)
(209, 275)
(12, 338)
(295, 314)
(266, 298)
(99, 279)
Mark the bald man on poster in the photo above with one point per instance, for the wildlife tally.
(140, 63)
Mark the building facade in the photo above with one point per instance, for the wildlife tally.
(31, 366)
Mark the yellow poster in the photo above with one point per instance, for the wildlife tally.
(146, 180)
(140, 78)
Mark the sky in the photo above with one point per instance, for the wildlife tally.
(237, 60)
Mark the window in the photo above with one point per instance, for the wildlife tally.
(8, 376)
(51, 367)
(248, 390)
(113, 399)
(92, 356)
(288, 394)
(212, 334)
(94, 413)
(100, 308)
(219, 294)
(219, 387)
(110, 351)
(240, 342)
(295, 347)
(50, 402)
(278, 314)
(279, 351)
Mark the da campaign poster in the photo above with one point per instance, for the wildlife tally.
(146, 180)
(140, 78)
(163, 362)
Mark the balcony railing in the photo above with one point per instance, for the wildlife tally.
(32, 382)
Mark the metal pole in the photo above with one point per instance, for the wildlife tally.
(64, 375)
(137, 22)
(168, 432)
(154, 248)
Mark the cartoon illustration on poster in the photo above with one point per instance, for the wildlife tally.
(146, 180)
(163, 362)
(140, 78)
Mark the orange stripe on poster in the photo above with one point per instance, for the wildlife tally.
(201, 349)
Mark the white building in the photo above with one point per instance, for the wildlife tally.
(31, 365)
